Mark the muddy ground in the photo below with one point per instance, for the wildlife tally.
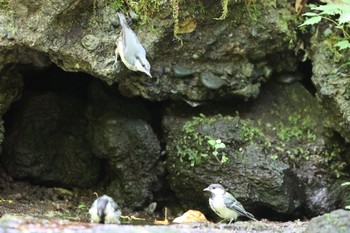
(31, 208)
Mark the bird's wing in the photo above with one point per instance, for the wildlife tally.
(114, 204)
(233, 204)
(132, 44)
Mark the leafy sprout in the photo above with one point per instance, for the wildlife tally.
(336, 13)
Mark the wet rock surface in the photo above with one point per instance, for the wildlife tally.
(220, 58)
(273, 145)
(27, 224)
(330, 78)
(46, 142)
(82, 136)
(119, 132)
(261, 165)
(334, 222)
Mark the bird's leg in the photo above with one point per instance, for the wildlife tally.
(221, 221)
(114, 61)
(116, 57)
(116, 64)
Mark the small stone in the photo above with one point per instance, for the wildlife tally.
(288, 77)
(254, 32)
(247, 69)
(181, 72)
(90, 42)
(268, 71)
(193, 104)
(211, 81)
(3, 33)
(115, 22)
(195, 56)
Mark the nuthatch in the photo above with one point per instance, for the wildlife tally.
(130, 50)
(105, 210)
(225, 205)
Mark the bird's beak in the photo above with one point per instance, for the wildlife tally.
(148, 73)
(206, 189)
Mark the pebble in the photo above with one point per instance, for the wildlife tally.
(90, 42)
(181, 72)
(211, 81)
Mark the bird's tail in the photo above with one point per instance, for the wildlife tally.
(122, 19)
(249, 215)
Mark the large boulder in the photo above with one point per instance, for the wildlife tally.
(266, 152)
(337, 221)
(256, 179)
(120, 133)
(330, 77)
(218, 58)
(45, 142)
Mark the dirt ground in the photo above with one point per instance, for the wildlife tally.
(31, 208)
(22, 198)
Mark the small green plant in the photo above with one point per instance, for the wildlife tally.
(224, 5)
(337, 13)
(81, 206)
(194, 146)
(216, 146)
(8, 201)
(298, 128)
(4, 3)
(249, 132)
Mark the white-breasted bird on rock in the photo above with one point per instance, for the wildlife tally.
(130, 50)
(225, 205)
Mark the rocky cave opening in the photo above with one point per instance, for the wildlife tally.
(49, 95)
(45, 93)
(50, 89)
(306, 69)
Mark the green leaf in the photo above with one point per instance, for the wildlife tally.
(310, 14)
(81, 206)
(312, 6)
(221, 146)
(311, 21)
(345, 184)
(344, 18)
(330, 9)
(212, 142)
(224, 159)
(344, 44)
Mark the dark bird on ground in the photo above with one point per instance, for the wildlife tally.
(105, 210)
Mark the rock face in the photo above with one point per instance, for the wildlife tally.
(263, 157)
(119, 132)
(58, 138)
(277, 151)
(337, 221)
(330, 79)
(46, 142)
(220, 58)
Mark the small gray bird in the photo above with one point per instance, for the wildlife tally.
(130, 50)
(225, 205)
(105, 210)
